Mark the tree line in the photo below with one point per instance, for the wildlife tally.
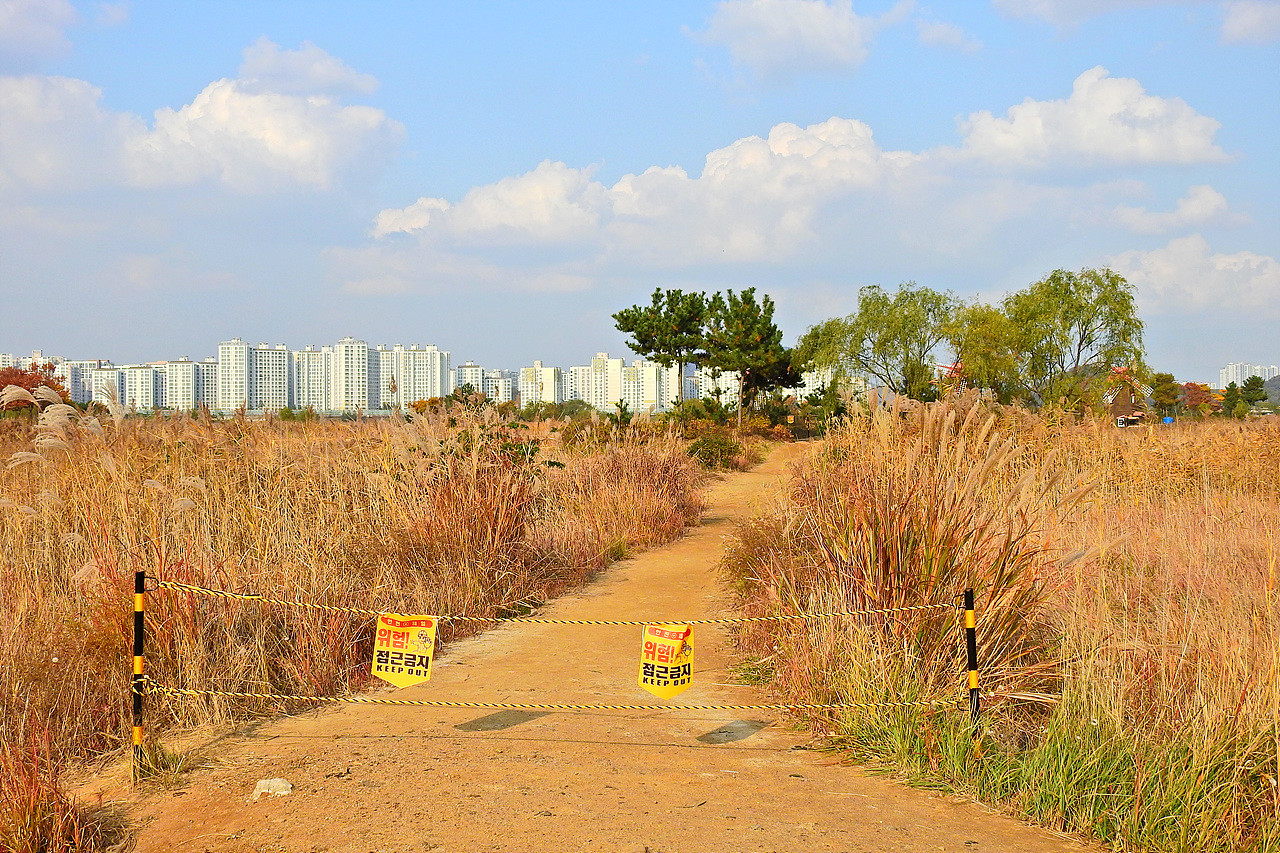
(1058, 340)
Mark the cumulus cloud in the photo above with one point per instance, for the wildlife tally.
(1188, 275)
(305, 71)
(778, 38)
(32, 30)
(254, 140)
(941, 34)
(1201, 205)
(755, 200)
(55, 133)
(1107, 121)
(1251, 21)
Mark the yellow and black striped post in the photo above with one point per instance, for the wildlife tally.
(139, 612)
(971, 645)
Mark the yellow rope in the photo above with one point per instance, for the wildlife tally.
(152, 687)
(529, 620)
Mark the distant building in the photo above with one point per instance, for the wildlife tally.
(541, 384)
(1239, 372)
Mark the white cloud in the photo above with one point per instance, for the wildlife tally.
(1106, 121)
(1201, 205)
(777, 38)
(55, 133)
(32, 30)
(305, 71)
(755, 200)
(1186, 275)
(1251, 21)
(941, 34)
(258, 140)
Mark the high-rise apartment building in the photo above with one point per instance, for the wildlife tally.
(252, 378)
(421, 373)
(1239, 372)
(310, 378)
(76, 378)
(541, 384)
(349, 376)
(501, 386)
(604, 384)
(469, 373)
(107, 384)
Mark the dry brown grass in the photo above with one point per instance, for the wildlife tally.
(1141, 612)
(457, 514)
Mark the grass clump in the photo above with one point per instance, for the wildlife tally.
(454, 512)
(1126, 613)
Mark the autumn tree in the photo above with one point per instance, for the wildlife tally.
(29, 379)
(1197, 399)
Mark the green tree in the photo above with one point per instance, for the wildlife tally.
(1073, 328)
(1254, 390)
(1166, 392)
(741, 337)
(890, 338)
(985, 342)
(670, 330)
(1230, 399)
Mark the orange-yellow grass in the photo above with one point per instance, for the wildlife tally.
(450, 514)
(1143, 705)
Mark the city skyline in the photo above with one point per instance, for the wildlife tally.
(516, 178)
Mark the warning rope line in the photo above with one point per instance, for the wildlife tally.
(152, 687)
(533, 620)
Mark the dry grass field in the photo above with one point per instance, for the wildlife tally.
(458, 513)
(1128, 624)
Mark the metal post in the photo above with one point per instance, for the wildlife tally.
(971, 643)
(139, 609)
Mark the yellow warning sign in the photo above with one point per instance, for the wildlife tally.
(666, 659)
(403, 648)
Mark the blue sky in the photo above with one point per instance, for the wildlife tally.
(499, 178)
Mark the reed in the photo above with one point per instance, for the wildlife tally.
(458, 513)
(1127, 617)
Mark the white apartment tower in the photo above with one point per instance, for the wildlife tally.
(310, 379)
(500, 386)
(604, 387)
(420, 373)
(577, 381)
(1239, 372)
(76, 376)
(143, 387)
(471, 374)
(107, 384)
(181, 384)
(540, 384)
(233, 376)
(349, 376)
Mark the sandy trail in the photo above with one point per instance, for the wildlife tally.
(378, 778)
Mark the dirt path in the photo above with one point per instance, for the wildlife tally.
(375, 778)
